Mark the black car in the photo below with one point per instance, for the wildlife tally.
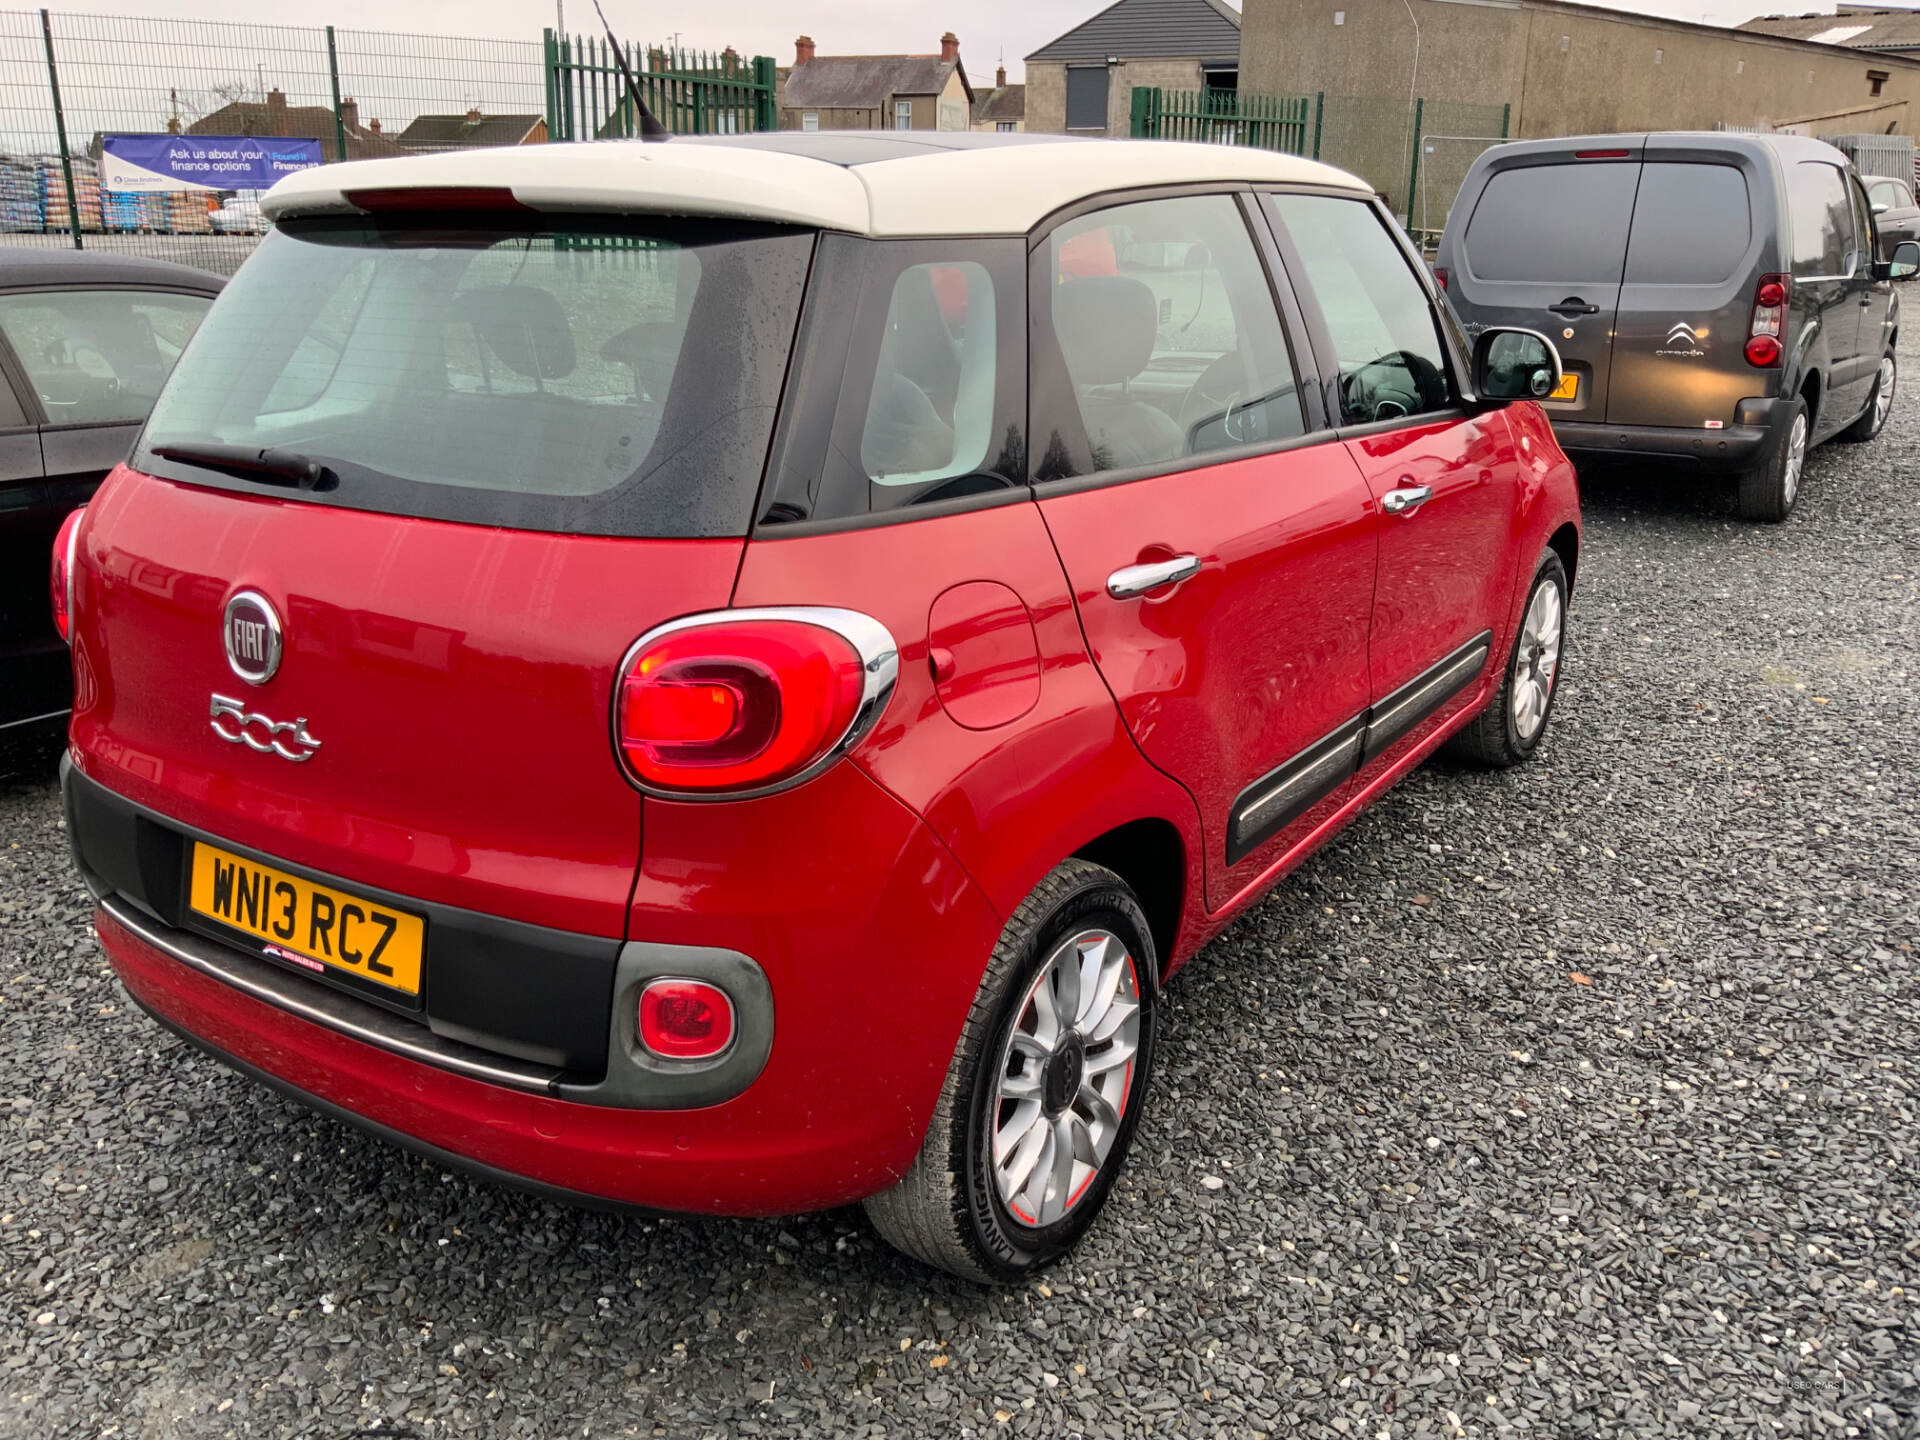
(1716, 298)
(1895, 216)
(85, 340)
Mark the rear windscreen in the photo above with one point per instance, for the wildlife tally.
(598, 378)
(1553, 223)
(1691, 225)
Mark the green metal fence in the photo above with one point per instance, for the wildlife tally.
(691, 93)
(1225, 117)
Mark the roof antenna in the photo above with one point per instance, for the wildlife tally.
(650, 128)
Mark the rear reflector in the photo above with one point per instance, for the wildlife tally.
(744, 702)
(428, 199)
(61, 580)
(685, 1019)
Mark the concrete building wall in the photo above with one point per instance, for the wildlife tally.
(1047, 90)
(1565, 69)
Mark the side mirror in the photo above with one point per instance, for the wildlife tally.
(1905, 262)
(1511, 364)
(1881, 209)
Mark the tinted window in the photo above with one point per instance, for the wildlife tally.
(597, 378)
(1822, 220)
(1691, 225)
(1552, 223)
(98, 356)
(1860, 235)
(1384, 334)
(930, 415)
(1890, 193)
(1165, 325)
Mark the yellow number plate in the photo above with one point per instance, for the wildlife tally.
(311, 925)
(1567, 389)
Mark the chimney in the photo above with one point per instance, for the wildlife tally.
(802, 50)
(349, 112)
(276, 100)
(1000, 78)
(473, 116)
(949, 46)
(374, 126)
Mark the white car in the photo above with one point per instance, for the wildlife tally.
(239, 215)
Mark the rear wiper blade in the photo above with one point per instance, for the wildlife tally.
(271, 466)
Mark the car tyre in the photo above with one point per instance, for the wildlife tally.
(1767, 491)
(1879, 404)
(1510, 729)
(1081, 927)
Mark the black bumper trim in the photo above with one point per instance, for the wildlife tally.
(331, 1009)
(1740, 446)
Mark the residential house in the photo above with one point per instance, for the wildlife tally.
(877, 92)
(1003, 108)
(1082, 83)
(273, 116)
(472, 130)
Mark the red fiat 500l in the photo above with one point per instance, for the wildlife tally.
(725, 676)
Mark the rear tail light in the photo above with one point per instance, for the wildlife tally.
(1767, 332)
(1440, 274)
(61, 581)
(745, 702)
(685, 1019)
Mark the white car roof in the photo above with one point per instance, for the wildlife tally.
(866, 182)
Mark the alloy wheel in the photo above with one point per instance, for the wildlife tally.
(1536, 659)
(1064, 1076)
(1796, 458)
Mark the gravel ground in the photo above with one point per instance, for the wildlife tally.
(1575, 1101)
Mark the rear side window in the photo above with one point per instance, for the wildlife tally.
(614, 378)
(1692, 225)
(1553, 223)
(99, 357)
(1822, 220)
(931, 414)
(1890, 193)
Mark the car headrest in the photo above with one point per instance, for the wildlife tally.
(523, 325)
(1106, 325)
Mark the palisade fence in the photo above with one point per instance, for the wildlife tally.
(66, 80)
(1414, 151)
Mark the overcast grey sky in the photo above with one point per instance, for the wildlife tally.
(987, 28)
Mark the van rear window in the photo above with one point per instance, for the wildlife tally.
(1553, 223)
(1691, 225)
(610, 379)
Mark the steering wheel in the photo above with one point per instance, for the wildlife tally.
(1397, 383)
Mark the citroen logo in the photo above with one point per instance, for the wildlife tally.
(237, 725)
(1682, 331)
(251, 633)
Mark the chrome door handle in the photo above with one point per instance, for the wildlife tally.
(1406, 500)
(1131, 580)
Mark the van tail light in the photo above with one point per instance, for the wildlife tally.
(737, 703)
(61, 581)
(684, 1019)
(1767, 333)
(1440, 274)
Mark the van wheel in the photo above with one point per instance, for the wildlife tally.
(1040, 1103)
(1511, 728)
(1768, 491)
(1879, 406)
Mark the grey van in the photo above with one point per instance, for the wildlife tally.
(1715, 297)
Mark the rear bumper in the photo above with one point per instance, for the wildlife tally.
(1745, 443)
(829, 1111)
